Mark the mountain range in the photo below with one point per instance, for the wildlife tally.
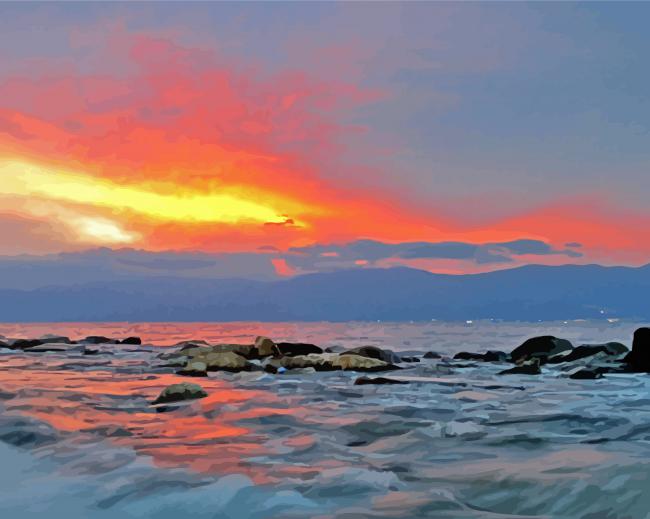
(53, 291)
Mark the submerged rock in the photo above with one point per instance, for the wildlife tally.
(57, 346)
(432, 355)
(21, 344)
(542, 348)
(489, 356)
(179, 392)
(639, 358)
(52, 339)
(587, 374)
(363, 381)
(333, 362)
(410, 359)
(530, 367)
(98, 339)
(373, 352)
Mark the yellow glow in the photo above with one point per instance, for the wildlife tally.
(22, 178)
(103, 230)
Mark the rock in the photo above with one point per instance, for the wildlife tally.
(490, 356)
(410, 359)
(98, 339)
(639, 358)
(51, 339)
(179, 392)
(57, 346)
(183, 345)
(132, 340)
(223, 361)
(541, 348)
(432, 355)
(529, 367)
(21, 344)
(589, 350)
(194, 368)
(363, 381)
(291, 349)
(373, 352)
(265, 347)
(587, 374)
(332, 362)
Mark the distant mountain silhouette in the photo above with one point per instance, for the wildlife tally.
(526, 293)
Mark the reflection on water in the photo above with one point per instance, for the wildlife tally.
(313, 444)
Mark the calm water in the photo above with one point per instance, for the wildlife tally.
(80, 439)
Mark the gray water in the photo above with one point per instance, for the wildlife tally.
(81, 440)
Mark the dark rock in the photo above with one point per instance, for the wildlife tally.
(98, 339)
(410, 359)
(291, 349)
(363, 381)
(639, 358)
(333, 362)
(373, 352)
(589, 350)
(265, 347)
(22, 344)
(57, 347)
(194, 368)
(178, 392)
(490, 356)
(184, 345)
(432, 355)
(530, 367)
(587, 374)
(53, 339)
(541, 348)
(131, 340)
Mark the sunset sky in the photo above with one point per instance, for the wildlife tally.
(451, 137)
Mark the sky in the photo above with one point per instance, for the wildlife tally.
(452, 137)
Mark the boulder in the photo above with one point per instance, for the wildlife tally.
(373, 352)
(98, 339)
(529, 367)
(22, 344)
(244, 350)
(589, 350)
(363, 381)
(467, 355)
(179, 392)
(223, 361)
(332, 362)
(291, 349)
(183, 345)
(410, 359)
(541, 348)
(265, 347)
(432, 355)
(639, 358)
(132, 340)
(194, 368)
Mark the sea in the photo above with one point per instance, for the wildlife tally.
(79, 437)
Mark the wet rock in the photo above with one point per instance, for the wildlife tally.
(639, 358)
(490, 356)
(265, 347)
(184, 345)
(98, 339)
(21, 344)
(373, 352)
(132, 340)
(529, 367)
(432, 355)
(332, 362)
(589, 350)
(541, 348)
(410, 359)
(51, 339)
(224, 361)
(179, 392)
(363, 381)
(587, 374)
(195, 368)
(291, 349)
(57, 347)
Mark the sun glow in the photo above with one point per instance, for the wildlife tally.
(25, 179)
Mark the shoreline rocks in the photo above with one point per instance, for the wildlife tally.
(543, 348)
(180, 392)
(639, 358)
